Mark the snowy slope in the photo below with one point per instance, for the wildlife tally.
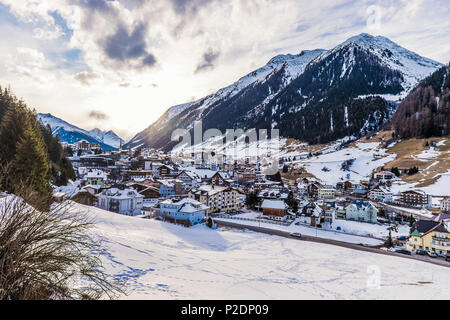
(164, 261)
(70, 133)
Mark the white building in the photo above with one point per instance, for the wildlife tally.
(82, 145)
(128, 201)
(360, 210)
(445, 204)
(381, 194)
(327, 193)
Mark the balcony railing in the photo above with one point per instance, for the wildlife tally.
(442, 239)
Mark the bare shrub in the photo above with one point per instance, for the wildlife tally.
(49, 254)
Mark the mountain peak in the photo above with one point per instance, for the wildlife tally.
(71, 132)
(353, 81)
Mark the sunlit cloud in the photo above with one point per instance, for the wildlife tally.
(134, 59)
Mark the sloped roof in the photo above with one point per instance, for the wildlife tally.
(426, 226)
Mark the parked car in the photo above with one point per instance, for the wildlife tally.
(403, 251)
(421, 252)
(402, 238)
(431, 254)
(296, 235)
(447, 257)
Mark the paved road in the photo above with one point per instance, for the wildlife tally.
(360, 247)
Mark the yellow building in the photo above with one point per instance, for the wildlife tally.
(432, 236)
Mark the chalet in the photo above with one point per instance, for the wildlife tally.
(127, 201)
(86, 198)
(361, 193)
(93, 189)
(187, 211)
(327, 193)
(95, 177)
(431, 236)
(445, 204)
(170, 187)
(416, 198)
(302, 189)
(220, 179)
(246, 176)
(313, 189)
(218, 198)
(310, 214)
(189, 178)
(150, 193)
(273, 193)
(274, 207)
(385, 176)
(360, 210)
(380, 194)
(348, 185)
(82, 145)
(162, 170)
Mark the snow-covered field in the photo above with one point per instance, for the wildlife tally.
(367, 157)
(369, 229)
(440, 188)
(310, 231)
(164, 261)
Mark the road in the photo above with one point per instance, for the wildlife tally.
(285, 234)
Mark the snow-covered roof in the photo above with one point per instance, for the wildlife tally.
(186, 205)
(211, 190)
(115, 193)
(96, 174)
(274, 204)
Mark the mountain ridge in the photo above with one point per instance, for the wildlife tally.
(70, 133)
(364, 77)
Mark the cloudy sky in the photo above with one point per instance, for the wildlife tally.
(120, 64)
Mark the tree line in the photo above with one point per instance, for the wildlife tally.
(29, 154)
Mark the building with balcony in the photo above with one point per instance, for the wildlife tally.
(217, 198)
(127, 202)
(416, 198)
(431, 236)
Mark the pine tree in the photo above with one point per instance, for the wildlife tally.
(31, 165)
(389, 242)
(11, 129)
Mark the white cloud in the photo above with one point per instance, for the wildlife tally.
(155, 48)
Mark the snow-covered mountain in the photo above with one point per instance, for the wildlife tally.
(290, 66)
(413, 67)
(107, 137)
(70, 133)
(317, 96)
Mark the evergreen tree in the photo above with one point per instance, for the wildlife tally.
(295, 207)
(11, 130)
(389, 242)
(30, 165)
